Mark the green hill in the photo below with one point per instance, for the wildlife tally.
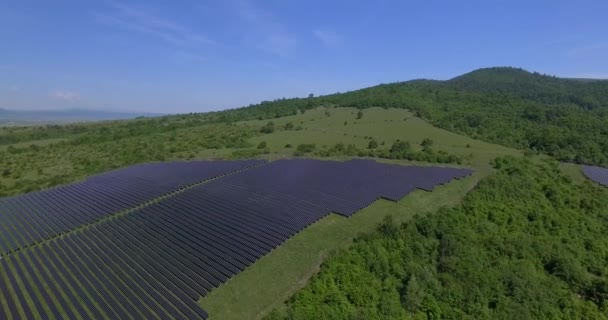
(564, 118)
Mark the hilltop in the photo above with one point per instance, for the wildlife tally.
(564, 118)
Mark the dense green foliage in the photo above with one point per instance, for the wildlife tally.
(565, 118)
(102, 147)
(527, 243)
(399, 150)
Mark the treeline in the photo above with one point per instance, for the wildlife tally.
(565, 118)
(34, 167)
(103, 130)
(527, 243)
(401, 150)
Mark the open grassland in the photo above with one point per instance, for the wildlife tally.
(329, 126)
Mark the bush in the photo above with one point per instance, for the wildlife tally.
(400, 150)
(268, 128)
(372, 144)
(306, 147)
(359, 114)
(426, 143)
(262, 145)
(288, 145)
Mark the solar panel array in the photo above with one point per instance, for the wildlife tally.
(33, 217)
(597, 174)
(157, 261)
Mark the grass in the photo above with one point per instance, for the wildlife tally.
(573, 171)
(384, 125)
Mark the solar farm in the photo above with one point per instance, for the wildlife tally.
(596, 174)
(150, 240)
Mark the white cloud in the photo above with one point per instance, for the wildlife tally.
(279, 44)
(328, 37)
(588, 49)
(69, 96)
(271, 35)
(135, 19)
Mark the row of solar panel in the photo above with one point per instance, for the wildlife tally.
(597, 174)
(166, 255)
(30, 218)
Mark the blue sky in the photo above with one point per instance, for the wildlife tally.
(183, 56)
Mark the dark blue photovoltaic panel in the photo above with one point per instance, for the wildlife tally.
(33, 217)
(157, 261)
(597, 174)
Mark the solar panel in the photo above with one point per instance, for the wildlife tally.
(596, 174)
(41, 215)
(158, 260)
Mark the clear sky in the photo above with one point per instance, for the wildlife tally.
(187, 55)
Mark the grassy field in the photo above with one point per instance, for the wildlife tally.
(275, 277)
(325, 126)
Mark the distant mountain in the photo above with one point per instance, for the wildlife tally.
(31, 117)
(585, 93)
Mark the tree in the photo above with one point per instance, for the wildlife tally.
(359, 114)
(372, 144)
(414, 294)
(400, 149)
(6, 173)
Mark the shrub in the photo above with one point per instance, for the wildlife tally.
(400, 149)
(268, 128)
(262, 145)
(426, 143)
(372, 144)
(306, 147)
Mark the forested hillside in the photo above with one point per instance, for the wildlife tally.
(527, 243)
(565, 118)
